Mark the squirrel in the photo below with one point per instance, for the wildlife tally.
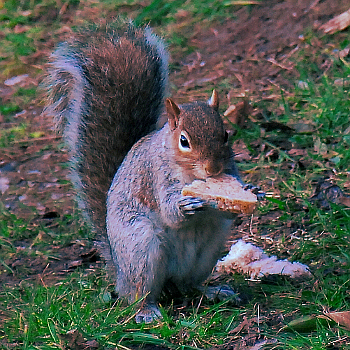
(106, 88)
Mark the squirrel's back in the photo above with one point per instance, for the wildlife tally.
(106, 89)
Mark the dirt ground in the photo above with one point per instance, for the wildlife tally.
(251, 52)
(255, 48)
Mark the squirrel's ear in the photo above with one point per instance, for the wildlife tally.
(214, 100)
(173, 113)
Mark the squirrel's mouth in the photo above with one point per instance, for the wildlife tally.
(202, 173)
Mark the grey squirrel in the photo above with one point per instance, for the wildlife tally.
(105, 88)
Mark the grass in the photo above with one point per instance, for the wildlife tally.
(79, 309)
(161, 12)
(43, 316)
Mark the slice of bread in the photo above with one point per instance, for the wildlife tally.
(226, 191)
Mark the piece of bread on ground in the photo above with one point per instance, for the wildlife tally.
(226, 191)
(249, 259)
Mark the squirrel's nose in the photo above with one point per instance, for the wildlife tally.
(213, 169)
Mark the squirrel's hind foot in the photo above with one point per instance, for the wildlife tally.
(221, 293)
(148, 313)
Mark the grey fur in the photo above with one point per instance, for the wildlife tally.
(105, 89)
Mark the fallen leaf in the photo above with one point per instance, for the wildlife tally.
(337, 23)
(297, 152)
(238, 114)
(326, 193)
(320, 147)
(304, 128)
(75, 341)
(305, 324)
(341, 318)
(245, 325)
(345, 52)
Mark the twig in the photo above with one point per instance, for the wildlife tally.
(274, 62)
(312, 6)
(39, 139)
(2, 262)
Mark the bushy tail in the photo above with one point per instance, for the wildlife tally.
(105, 89)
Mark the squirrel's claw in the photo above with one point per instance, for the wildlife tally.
(191, 205)
(260, 196)
(256, 190)
(252, 188)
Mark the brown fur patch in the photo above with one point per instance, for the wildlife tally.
(145, 194)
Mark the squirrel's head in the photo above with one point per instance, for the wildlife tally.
(199, 139)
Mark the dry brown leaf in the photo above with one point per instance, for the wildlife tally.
(342, 318)
(238, 114)
(297, 152)
(345, 201)
(75, 341)
(337, 23)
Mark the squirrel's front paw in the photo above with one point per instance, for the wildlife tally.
(256, 190)
(191, 205)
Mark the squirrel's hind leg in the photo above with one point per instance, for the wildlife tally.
(141, 263)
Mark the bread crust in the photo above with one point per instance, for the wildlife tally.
(226, 191)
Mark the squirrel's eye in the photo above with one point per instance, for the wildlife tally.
(184, 143)
(226, 137)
